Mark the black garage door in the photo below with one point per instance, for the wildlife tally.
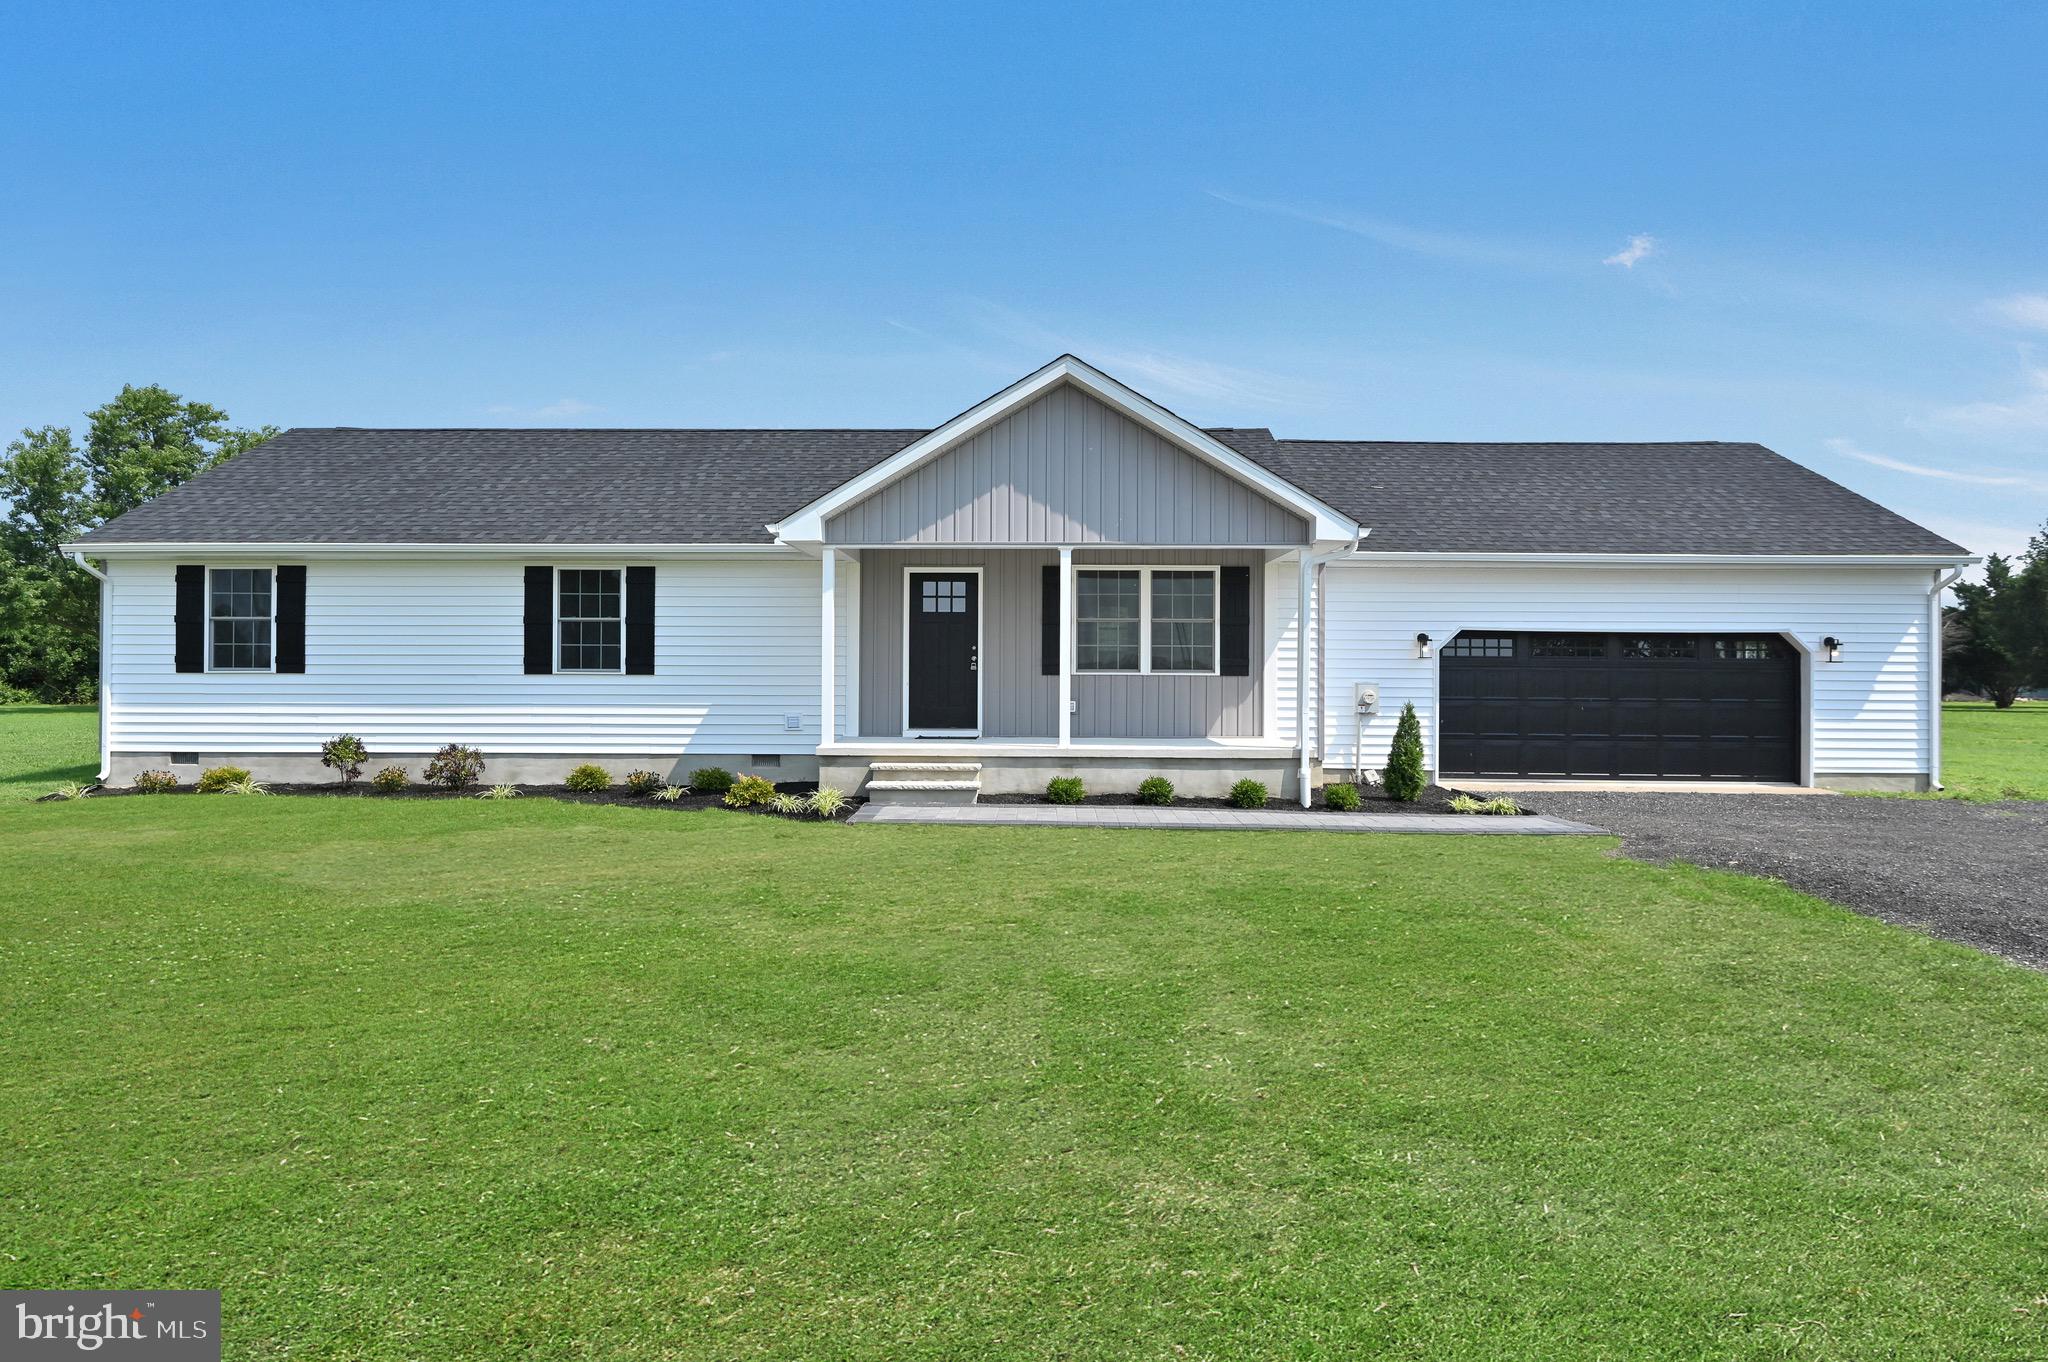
(1622, 706)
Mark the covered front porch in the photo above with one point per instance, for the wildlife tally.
(1110, 663)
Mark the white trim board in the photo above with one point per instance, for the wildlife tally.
(808, 524)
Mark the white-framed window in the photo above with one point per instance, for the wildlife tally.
(1146, 621)
(590, 620)
(240, 619)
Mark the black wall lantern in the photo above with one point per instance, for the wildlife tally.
(1834, 647)
(1422, 645)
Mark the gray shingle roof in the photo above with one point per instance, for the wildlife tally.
(345, 485)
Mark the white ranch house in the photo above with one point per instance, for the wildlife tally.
(1066, 577)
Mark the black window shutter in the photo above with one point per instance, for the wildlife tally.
(1049, 621)
(289, 650)
(1234, 623)
(639, 621)
(191, 617)
(540, 621)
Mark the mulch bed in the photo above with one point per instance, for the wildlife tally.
(1371, 799)
(363, 790)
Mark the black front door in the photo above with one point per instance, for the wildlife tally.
(945, 633)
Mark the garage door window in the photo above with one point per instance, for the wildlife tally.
(1481, 645)
(1660, 647)
(1569, 645)
(1749, 649)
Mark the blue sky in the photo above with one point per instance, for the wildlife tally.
(1821, 227)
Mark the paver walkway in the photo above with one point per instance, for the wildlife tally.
(1085, 816)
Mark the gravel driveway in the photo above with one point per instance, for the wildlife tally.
(1974, 873)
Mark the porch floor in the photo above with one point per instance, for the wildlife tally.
(1042, 747)
(1240, 820)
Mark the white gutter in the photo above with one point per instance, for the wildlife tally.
(1761, 560)
(1934, 666)
(100, 698)
(428, 550)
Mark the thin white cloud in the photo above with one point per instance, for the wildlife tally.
(1640, 247)
(2029, 310)
(1398, 236)
(1159, 372)
(1920, 470)
(2026, 413)
(559, 410)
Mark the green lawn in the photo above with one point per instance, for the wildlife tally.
(44, 746)
(1990, 753)
(478, 1080)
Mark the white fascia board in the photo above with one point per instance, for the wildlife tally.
(1637, 560)
(808, 524)
(165, 548)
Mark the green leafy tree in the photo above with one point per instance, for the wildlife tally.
(1999, 629)
(1404, 776)
(143, 443)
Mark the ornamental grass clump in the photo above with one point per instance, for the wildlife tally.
(826, 802)
(1404, 777)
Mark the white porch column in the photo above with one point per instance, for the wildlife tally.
(1307, 674)
(827, 573)
(1066, 647)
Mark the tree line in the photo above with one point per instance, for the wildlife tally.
(1996, 639)
(141, 444)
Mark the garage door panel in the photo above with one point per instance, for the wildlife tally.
(1637, 706)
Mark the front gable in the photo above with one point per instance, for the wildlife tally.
(1066, 469)
(1067, 455)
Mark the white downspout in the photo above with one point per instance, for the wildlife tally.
(1934, 661)
(106, 588)
(1305, 667)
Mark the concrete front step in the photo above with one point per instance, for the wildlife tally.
(923, 782)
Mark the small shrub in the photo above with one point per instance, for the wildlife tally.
(1465, 803)
(345, 754)
(1248, 794)
(670, 794)
(827, 802)
(455, 767)
(790, 805)
(714, 780)
(247, 785)
(589, 778)
(1155, 790)
(500, 792)
(218, 778)
(1403, 777)
(748, 791)
(155, 782)
(390, 780)
(1343, 797)
(1064, 790)
(642, 783)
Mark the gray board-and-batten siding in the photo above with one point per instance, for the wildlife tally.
(1067, 470)
(1018, 700)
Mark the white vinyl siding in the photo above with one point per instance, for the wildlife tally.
(1868, 712)
(414, 653)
